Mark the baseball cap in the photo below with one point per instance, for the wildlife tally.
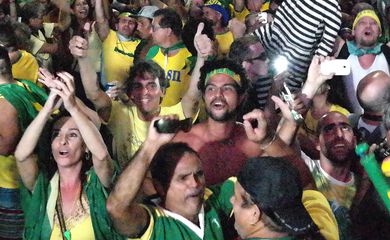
(147, 11)
(275, 187)
(217, 6)
(126, 14)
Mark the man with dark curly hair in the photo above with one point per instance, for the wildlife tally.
(222, 143)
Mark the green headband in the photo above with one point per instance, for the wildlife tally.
(225, 71)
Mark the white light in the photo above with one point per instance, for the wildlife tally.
(280, 64)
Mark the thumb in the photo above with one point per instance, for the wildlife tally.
(200, 29)
(282, 105)
(87, 29)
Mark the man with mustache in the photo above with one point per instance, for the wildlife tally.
(332, 172)
(222, 143)
(187, 210)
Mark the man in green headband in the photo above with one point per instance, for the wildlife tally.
(222, 143)
(365, 55)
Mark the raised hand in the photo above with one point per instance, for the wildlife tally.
(256, 126)
(159, 139)
(66, 90)
(202, 43)
(78, 46)
(46, 78)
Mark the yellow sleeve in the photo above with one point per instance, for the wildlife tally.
(319, 209)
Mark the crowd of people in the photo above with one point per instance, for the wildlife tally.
(269, 153)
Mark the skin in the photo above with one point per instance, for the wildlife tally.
(186, 189)
(221, 97)
(144, 26)
(366, 33)
(245, 215)
(81, 9)
(146, 95)
(126, 26)
(67, 144)
(254, 5)
(255, 68)
(336, 140)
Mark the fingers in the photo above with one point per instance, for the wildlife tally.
(78, 46)
(200, 29)
(283, 107)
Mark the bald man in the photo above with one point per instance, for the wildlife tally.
(373, 94)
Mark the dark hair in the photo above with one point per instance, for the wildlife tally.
(170, 19)
(189, 31)
(239, 50)
(142, 67)
(223, 63)
(165, 161)
(75, 24)
(45, 152)
(31, 10)
(4, 56)
(7, 37)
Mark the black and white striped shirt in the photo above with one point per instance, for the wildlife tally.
(301, 28)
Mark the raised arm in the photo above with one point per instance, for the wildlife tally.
(204, 48)
(101, 101)
(129, 218)
(26, 159)
(102, 26)
(102, 162)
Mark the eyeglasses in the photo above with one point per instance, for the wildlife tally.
(261, 57)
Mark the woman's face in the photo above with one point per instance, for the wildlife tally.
(67, 144)
(81, 9)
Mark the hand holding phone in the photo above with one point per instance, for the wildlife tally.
(173, 125)
(339, 67)
(289, 99)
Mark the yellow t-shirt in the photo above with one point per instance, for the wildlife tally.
(224, 41)
(118, 57)
(177, 69)
(242, 15)
(129, 131)
(319, 210)
(26, 67)
(9, 172)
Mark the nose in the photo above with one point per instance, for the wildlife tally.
(63, 140)
(339, 132)
(194, 181)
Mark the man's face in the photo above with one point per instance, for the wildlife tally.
(146, 93)
(256, 64)
(186, 189)
(210, 14)
(159, 33)
(221, 98)
(243, 211)
(336, 141)
(254, 5)
(366, 32)
(126, 26)
(144, 27)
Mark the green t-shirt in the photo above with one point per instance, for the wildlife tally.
(213, 218)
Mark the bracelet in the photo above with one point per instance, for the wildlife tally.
(269, 143)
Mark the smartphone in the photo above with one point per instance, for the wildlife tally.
(340, 67)
(173, 125)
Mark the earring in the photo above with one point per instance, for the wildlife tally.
(88, 156)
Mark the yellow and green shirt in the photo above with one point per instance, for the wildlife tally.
(177, 70)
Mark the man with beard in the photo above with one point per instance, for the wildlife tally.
(222, 143)
(332, 172)
(365, 55)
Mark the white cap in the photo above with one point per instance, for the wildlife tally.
(147, 11)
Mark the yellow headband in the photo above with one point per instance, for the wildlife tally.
(226, 71)
(367, 13)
